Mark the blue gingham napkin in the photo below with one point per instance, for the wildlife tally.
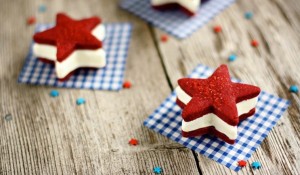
(166, 120)
(175, 22)
(110, 77)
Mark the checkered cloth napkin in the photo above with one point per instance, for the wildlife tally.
(166, 120)
(110, 77)
(175, 22)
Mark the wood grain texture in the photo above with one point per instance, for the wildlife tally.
(54, 136)
(273, 66)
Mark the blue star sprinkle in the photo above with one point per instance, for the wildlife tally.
(232, 57)
(256, 165)
(8, 117)
(157, 170)
(42, 8)
(294, 89)
(80, 101)
(248, 15)
(54, 93)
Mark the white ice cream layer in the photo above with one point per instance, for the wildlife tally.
(191, 5)
(211, 119)
(79, 58)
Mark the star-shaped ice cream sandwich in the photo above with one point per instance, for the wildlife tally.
(215, 105)
(71, 44)
(190, 7)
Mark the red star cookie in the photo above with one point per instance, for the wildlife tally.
(71, 44)
(69, 34)
(215, 105)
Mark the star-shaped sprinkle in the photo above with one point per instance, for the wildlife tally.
(254, 43)
(216, 94)
(217, 29)
(133, 142)
(42, 8)
(256, 165)
(68, 35)
(294, 89)
(31, 20)
(248, 15)
(54, 93)
(8, 117)
(164, 38)
(127, 84)
(80, 101)
(232, 57)
(242, 163)
(157, 170)
(189, 7)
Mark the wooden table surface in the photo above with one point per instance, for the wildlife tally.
(54, 136)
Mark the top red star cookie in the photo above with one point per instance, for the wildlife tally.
(69, 35)
(216, 94)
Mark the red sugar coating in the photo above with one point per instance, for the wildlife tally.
(69, 35)
(216, 94)
(173, 6)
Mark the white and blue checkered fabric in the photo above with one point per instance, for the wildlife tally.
(110, 77)
(175, 22)
(166, 120)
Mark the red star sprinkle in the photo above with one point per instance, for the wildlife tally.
(164, 38)
(133, 142)
(254, 43)
(127, 84)
(242, 163)
(215, 94)
(217, 29)
(31, 20)
(69, 35)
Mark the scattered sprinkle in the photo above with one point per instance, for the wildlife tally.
(232, 57)
(133, 142)
(248, 15)
(157, 170)
(256, 165)
(242, 163)
(254, 43)
(218, 29)
(80, 101)
(8, 117)
(294, 89)
(42, 8)
(31, 20)
(54, 93)
(164, 38)
(127, 84)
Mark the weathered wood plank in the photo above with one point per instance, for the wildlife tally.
(53, 135)
(273, 66)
